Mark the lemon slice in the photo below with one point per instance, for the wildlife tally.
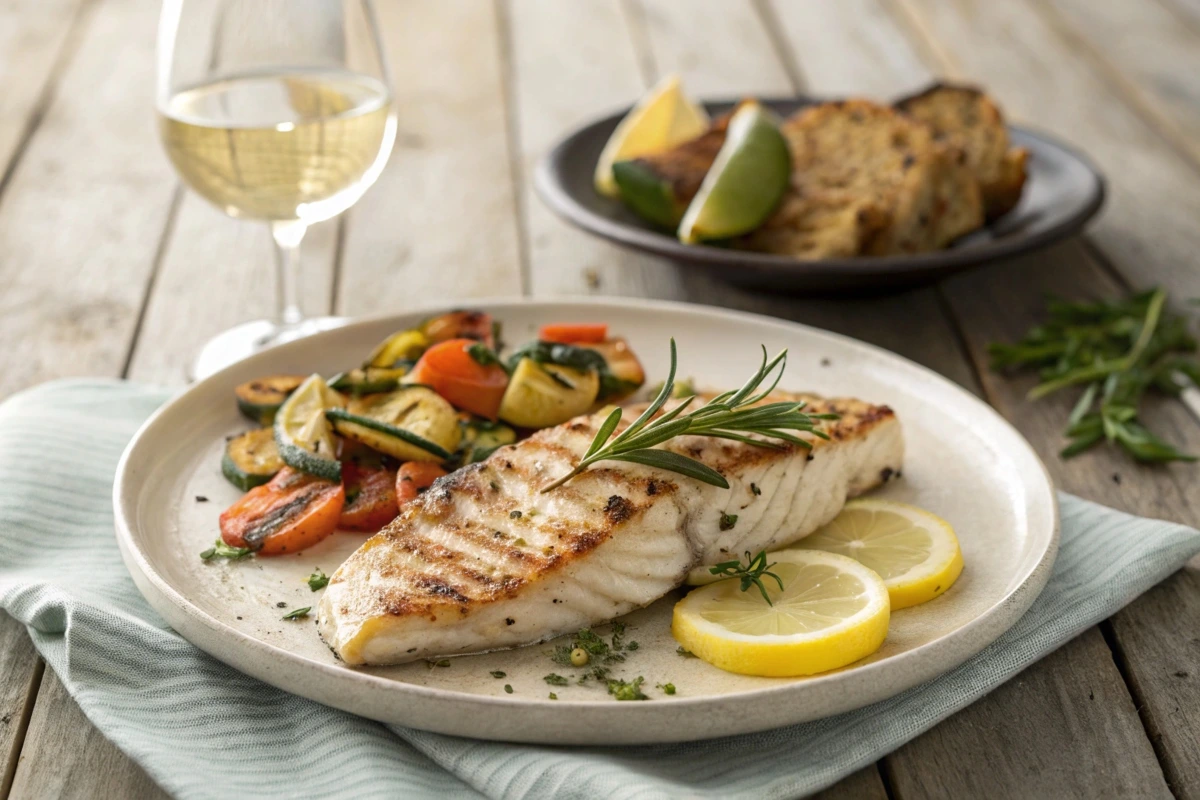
(831, 612)
(915, 552)
(303, 435)
(662, 119)
(744, 184)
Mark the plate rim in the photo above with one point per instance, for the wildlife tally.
(212, 635)
(554, 194)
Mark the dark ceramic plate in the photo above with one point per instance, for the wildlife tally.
(1063, 191)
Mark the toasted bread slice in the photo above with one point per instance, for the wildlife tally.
(968, 118)
(884, 159)
(820, 224)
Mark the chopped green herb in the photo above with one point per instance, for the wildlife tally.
(298, 613)
(553, 696)
(632, 646)
(499, 674)
(1118, 351)
(727, 522)
(222, 550)
(754, 488)
(685, 653)
(667, 688)
(514, 515)
(627, 690)
(555, 679)
(507, 689)
(483, 355)
(597, 673)
(317, 581)
(751, 574)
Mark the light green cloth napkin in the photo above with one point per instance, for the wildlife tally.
(203, 730)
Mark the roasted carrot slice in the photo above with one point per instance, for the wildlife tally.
(450, 370)
(414, 478)
(294, 511)
(574, 332)
(370, 497)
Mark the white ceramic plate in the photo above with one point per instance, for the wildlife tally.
(964, 462)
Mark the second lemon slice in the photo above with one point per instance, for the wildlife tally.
(664, 118)
(915, 552)
(831, 612)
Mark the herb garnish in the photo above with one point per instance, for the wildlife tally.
(222, 550)
(667, 688)
(555, 679)
(553, 696)
(754, 488)
(297, 613)
(499, 674)
(581, 358)
(507, 689)
(318, 580)
(1117, 350)
(685, 653)
(751, 574)
(485, 356)
(727, 522)
(727, 416)
(627, 690)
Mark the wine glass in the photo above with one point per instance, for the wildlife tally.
(279, 111)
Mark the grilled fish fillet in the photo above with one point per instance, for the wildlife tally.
(483, 561)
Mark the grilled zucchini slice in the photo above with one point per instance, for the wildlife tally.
(251, 459)
(543, 395)
(369, 380)
(413, 423)
(406, 346)
(303, 435)
(260, 398)
(481, 438)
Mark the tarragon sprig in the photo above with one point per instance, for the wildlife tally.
(731, 415)
(750, 574)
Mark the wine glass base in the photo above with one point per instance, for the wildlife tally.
(243, 341)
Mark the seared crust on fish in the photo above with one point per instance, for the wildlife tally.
(484, 561)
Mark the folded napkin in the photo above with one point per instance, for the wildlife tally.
(202, 729)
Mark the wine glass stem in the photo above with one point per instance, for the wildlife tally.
(287, 236)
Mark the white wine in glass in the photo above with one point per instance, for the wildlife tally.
(280, 111)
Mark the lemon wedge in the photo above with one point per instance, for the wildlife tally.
(831, 612)
(915, 552)
(662, 119)
(303, 435)
(742, 187)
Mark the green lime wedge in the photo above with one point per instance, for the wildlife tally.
(303, 435)
(746, 181)
(647, 194)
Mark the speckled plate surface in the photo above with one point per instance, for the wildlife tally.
(964, 462)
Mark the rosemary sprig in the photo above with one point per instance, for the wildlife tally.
(750, 574)
(731, 415)
(1117, 351)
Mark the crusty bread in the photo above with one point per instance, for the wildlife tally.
(820, 224)
(880, 163)
(968, 118)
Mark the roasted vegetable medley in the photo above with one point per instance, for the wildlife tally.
(348, 452)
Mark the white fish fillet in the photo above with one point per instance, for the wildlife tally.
(484, 561)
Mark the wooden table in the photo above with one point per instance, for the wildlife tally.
(107, 267)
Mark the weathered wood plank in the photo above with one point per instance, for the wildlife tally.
(999, 761)
(1144, 52)
(1148, 226)
(32, 38)
(20, 671)
(858, 39)
(75, 272)
(440, 225)
(66, 757)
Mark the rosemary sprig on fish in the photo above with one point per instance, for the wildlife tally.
(731, 415)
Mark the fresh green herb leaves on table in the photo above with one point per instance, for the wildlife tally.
(1117, 351)
(730, 415)
(222, 550)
